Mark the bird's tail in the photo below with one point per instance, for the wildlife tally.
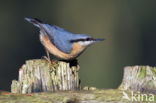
(38, 23)
(34, 21)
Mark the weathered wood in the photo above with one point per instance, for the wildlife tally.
(43, 76)
(83, 96)
(136, 78)
(139, 78)
(90, 96)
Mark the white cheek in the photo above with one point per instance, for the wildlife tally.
(88, 42)
(81, 43)
(85, 43)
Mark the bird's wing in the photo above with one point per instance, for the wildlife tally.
(58, 36)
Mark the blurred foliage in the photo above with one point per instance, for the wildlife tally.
(129, 27)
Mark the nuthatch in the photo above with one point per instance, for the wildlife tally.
(61, 43)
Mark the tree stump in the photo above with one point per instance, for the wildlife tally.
(139, 78)
(44, 76)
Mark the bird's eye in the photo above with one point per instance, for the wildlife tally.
(87, 39)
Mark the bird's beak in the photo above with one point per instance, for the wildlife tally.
(96, 40)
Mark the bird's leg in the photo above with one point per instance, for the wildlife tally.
(48, 56)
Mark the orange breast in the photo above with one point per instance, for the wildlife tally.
(75, 52)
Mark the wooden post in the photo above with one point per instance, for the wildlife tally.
(43, 76)
(135, 78)
(139, 78)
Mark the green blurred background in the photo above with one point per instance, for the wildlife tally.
(129, 27)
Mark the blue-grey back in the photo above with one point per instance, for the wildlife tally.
(59, 37)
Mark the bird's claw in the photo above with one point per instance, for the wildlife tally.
(46, 58)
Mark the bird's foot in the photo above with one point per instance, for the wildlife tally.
(54, 62)
(46, 58)
(50, 61)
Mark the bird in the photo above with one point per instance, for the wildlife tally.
(60, 42)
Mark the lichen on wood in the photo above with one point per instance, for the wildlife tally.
(139, 78)
(44, 76)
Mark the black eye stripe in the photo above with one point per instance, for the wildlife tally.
(89, 39)
(77, 40)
